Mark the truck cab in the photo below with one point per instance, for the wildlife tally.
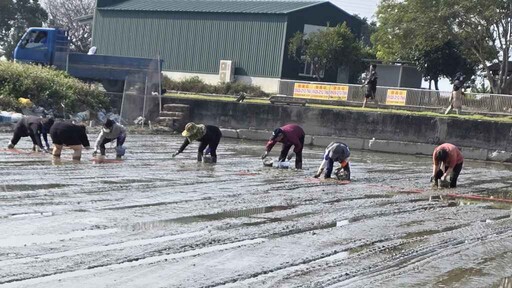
(41, 46)
(50, 47)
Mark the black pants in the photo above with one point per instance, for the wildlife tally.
(212, 145)
(298, 155)
(120, 141)
(453, 177)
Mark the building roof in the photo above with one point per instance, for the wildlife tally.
(213, 6)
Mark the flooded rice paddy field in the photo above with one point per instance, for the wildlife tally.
(154, 221)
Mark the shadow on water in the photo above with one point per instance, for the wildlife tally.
(280, 219)
(425, 233)
(455, 276)
(208, 217)
(29, 187)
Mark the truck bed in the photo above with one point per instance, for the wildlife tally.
(101, 67)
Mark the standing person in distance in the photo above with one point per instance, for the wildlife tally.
(371, 85)
(457, 95)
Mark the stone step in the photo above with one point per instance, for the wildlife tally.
(181, 115)
(176, 108)
(174, 123)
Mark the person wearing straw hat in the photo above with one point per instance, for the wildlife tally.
(71, 135)
(335, 152)
(34, 127)
(290, 135)
(208, 136)
(109, 132)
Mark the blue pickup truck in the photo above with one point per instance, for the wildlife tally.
(50, 47)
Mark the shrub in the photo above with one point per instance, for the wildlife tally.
(46, 87)
(196, 85)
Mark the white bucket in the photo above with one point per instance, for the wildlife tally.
(282, 164)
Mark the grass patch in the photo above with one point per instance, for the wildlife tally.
(504, 119)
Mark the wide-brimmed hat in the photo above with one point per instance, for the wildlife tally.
(190, 128)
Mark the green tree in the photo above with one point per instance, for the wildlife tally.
(15, 18)
(481, 28)
(443, 61)
(326, 49)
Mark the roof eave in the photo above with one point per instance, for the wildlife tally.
(307, 6)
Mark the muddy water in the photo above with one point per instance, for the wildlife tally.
(160, 222)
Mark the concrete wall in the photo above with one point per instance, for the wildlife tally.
(269, 85)
(350, 124)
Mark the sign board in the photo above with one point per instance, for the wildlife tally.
(320, 91)
(396, 97)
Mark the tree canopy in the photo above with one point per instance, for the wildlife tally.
(15, 18)
(326, 49)
(478, 31)
(63, 14)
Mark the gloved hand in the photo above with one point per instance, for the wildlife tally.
(264, 155)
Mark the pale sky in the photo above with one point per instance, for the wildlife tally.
(362, 8)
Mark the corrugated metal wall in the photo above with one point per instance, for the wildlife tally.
(195, 42)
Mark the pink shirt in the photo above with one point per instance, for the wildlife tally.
(454, 155)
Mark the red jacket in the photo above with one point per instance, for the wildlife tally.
(292, 134)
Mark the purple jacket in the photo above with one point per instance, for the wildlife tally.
(292, 134)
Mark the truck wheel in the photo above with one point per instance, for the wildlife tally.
(113, 85)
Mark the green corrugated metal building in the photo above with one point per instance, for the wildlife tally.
(193, 36)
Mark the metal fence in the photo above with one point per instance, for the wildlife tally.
(417, 98)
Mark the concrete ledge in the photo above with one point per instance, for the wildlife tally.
(386, 146)
(499, 156)
(258, 135)
(400, 147)
(353, 143)
(474, 153)
(308, 140)
(229, 133)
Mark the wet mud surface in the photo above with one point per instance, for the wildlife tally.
(154, 221)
